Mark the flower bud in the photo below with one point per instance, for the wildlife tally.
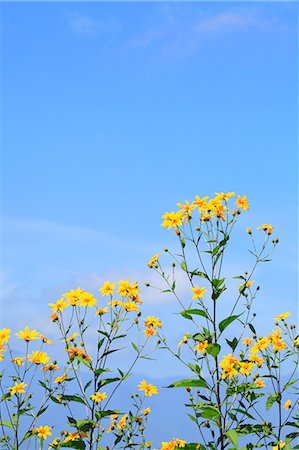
(166, 250)
(147, 284)
(188, 389)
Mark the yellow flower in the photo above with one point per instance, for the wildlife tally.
(107, 288)
(287, 404)
(256, 359)
(72, 337)
(223, 196)
(59, 306)
(73, 297)
(43, 432)
(200, 202)
(98, 397)
(153, 261)
(150, 331)
(71, 437)
(149, 389)
(201, 347)
(87, 299)
(261, 344)
(229, 364)
(179, 443)
(277, 341)
(61, 379)
(38, 357)
(296, 341)
(173, 219)
(259, 382)
(130, 306)
(50, 367)
(242, 202)
(247, 341)
(246, 367)
(148, 444)
(17, 388)
(19, 361)
(186, 208)
(4, 334)
(152, 321)
(279, 446)
(266, 227)
(54, 443)
(122, 423)
(146, 411)
(45, 340)
(101, 311)
(281, 316)
(175, 443)
(198, 292)
(183, 341)
(28, 335)
(249, 283)
(114, 303)
(128, 289)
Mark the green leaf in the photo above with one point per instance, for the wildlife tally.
(79, 445)
(213, 349)
(107, 381)
(42, 411)
(209, 412)
(190, 382)
(84, 425)
(87, 385)
(252, 328)
(71, 420)
(6, 423)
(233, 437)
(100, 343)
(215, 250)
(272, 398)
(73, 398)
(135, 347)
(226, 322)
(99, 371)
(100, 414)
(290, 383)
(233, 344)
(187, 313)
(218, 282)
(197, 273)
(183, 266)
(193, 446)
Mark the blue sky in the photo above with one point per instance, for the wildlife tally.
(114, 112)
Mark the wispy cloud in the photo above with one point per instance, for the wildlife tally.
(82, 24)
(173, 33)
(88, 25)
(226, 21)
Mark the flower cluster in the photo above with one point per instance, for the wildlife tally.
(151, 324)
(208, 209)
(175, 443)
